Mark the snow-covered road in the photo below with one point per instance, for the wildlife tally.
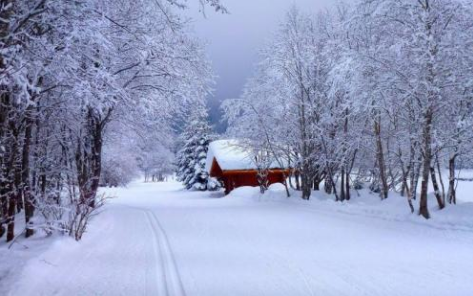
(156, 239)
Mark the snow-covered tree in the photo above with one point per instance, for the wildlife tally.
(196, 138)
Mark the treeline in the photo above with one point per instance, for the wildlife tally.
(377, 91)
(80, 80)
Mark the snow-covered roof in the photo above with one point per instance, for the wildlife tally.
(231, 155)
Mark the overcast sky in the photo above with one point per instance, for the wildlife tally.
(234, 39)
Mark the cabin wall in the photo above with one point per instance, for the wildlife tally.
(235, 180)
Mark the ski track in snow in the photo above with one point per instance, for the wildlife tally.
(153, 276)
(163, 281)
(170, 273)
(157, 240)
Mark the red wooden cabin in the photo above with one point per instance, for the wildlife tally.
(233, 166)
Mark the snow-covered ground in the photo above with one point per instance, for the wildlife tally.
(157, 239)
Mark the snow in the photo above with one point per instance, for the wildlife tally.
(231, 155)
(14, 256)
(465, 188)
(157, 239)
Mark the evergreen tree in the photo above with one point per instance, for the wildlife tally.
(196, 138)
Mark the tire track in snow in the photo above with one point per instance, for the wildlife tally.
(172, 283)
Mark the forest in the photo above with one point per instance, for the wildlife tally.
(376, 92)
(89, 90)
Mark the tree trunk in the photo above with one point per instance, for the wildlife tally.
(347, 186)
(342, 185)
(412, 169)
(415, 180)
(451, 193)
(426, 164)
(405, 188)
(347, 190)
(11, 218)
(405, 172)
(14, 182)
(317, 180)
(6, 13)
(89, 158)
(298, 183)
(290, 179)
(439, 169)
(334, 187)
(306, 182)
(328, 184)
(26, 185)
(438, 196)
(380, 158)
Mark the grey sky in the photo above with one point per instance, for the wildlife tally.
(234, 39)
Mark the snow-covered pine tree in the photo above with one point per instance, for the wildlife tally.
(196, 138)
(185, 156)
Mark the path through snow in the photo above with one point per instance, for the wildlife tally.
(156, 239)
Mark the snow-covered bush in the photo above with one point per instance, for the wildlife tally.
(80, 213)
(65, 212)
(51, 213)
